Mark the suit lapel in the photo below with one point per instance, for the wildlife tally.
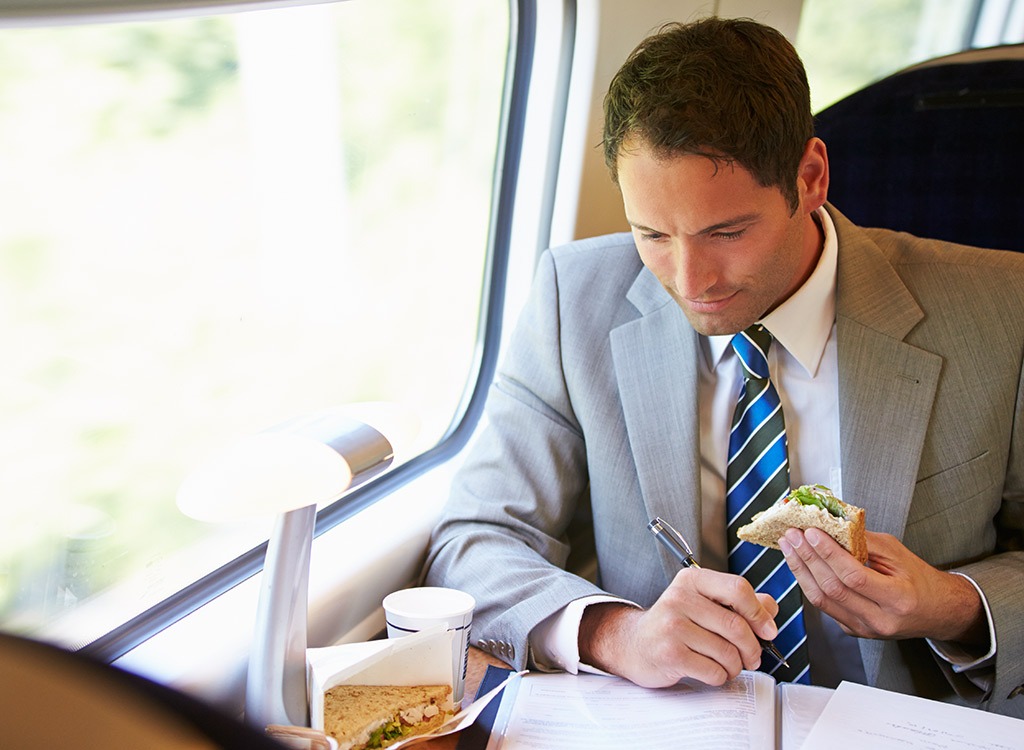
(656, 357)
(886, 390)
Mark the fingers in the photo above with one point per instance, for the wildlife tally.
(864, 601)
(657, 647)
(754, 612)
(826, 572)
(727, 606)
(800, 556)
(896, 595)
(680, 646)
(701, 627)
(772, 608)
(816, 561)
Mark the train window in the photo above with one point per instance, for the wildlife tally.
(847, 45)
(209, 225)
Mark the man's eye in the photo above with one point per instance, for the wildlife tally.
(650, 236)
(730, 235)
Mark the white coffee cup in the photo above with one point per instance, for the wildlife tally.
(412, 610)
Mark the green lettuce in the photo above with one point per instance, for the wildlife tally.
(819, 496)
(386, 733)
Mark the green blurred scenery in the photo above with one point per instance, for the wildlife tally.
(209, 226)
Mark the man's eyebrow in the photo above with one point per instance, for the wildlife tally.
(718, 226)
(728, 223)
(641, 227)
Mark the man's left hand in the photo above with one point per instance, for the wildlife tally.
(896, 595)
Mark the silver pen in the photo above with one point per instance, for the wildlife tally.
(675, 543)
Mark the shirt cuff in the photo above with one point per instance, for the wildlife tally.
(554, 642)
(959, 658)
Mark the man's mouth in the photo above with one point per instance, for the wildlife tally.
(711, 305)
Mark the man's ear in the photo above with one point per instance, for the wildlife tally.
(812, 176)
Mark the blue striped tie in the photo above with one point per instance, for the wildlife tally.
(757, 475)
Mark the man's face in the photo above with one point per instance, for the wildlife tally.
(725, 248)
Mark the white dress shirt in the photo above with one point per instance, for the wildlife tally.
(803, 366)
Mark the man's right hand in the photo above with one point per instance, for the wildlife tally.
(704, 626)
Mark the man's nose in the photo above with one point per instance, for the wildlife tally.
(695, 273)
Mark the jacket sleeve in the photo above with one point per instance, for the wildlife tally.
(502, 536)
(1001, 577)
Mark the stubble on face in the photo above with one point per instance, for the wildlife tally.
(726, 249)
(748, 298)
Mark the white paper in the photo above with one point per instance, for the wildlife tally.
(858, 717)
(799, 708)
(592, 712)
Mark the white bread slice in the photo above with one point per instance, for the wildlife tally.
(353, 713)
(766, 527)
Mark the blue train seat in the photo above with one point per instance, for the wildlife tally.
(936, 150)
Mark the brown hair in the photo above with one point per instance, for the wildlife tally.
(733, 90)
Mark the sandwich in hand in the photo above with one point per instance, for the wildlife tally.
(360, 717)
(809, 506)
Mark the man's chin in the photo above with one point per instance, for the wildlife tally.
(715, 325)
(722, 318)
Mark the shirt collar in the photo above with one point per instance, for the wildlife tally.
(803, 322)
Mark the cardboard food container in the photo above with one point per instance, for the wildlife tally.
(423, 658)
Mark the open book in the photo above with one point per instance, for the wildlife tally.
(591, 712)
(588, 712)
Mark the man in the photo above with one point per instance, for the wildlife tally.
(897, 362)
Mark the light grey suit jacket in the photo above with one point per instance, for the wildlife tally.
(597, 398)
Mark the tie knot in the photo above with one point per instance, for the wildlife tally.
(751, 346)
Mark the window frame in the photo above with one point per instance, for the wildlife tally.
(522, 38)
